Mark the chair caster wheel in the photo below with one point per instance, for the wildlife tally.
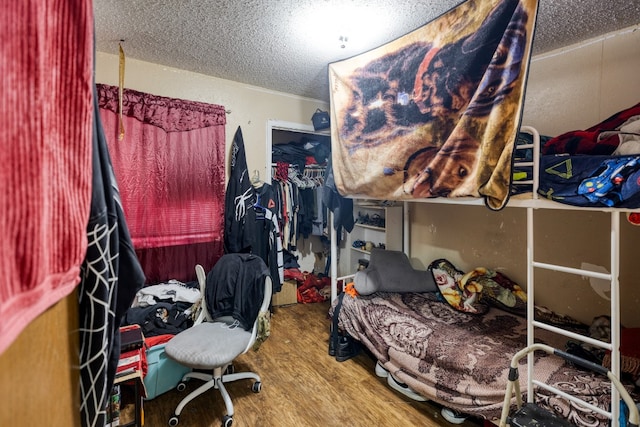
(227, 421)
(181, 387)
(173, 421)
(256, 387)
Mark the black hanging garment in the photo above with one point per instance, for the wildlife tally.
(341, 207)
(248, 225)
(267, 235)
(110, 277)
(239, 200)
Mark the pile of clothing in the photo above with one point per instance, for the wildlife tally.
(310, 287)
(164, 308)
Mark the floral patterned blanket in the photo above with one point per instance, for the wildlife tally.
(461, 360)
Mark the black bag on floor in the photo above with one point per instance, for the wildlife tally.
(341, 345)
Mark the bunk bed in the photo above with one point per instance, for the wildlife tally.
(433, 117)
(460, 360)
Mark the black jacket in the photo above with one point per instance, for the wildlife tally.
(110, 277)
(235, 287)
(239, 200)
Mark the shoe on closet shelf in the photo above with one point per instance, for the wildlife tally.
(453, 416)
(404, 389)
(380, 371)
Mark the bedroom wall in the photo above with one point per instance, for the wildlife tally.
(568, 89)
(250, 107)
(571, 88)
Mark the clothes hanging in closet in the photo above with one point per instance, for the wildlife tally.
(299, 202)
(341, 207)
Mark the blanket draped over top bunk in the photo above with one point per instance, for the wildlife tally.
(435, 113)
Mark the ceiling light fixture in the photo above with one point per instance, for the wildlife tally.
(339, 26)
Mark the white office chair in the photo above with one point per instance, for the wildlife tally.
(218, 336)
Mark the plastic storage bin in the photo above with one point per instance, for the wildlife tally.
(163, 373)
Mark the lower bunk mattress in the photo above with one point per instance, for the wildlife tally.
(461, 360)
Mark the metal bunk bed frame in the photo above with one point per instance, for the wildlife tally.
(531, 205)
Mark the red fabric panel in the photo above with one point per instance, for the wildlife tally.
(170, 167)
(46, 130)
(630, 342)
(169, 114)
(178, 262)
(586, 141)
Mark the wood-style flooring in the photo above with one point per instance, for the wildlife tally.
(302, 386)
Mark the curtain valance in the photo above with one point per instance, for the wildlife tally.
(170, 166)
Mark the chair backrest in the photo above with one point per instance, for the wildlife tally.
(203, 314)
(261, 272)
(264, 308)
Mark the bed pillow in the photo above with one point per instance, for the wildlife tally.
(367, 281)
(391, 271)
(497, 290)
(447, 278)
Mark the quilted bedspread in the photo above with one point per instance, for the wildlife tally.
(462, 360)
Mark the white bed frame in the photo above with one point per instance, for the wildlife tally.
(532, 202)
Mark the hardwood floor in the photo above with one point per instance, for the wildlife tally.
(302, 386)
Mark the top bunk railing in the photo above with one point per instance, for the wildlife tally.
(534, 163)
(529, 198)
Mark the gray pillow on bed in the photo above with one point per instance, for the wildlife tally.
(391, 271)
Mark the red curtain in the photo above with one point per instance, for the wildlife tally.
(171, 172)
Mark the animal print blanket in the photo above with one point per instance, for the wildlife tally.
(461, 360)
(435, 113)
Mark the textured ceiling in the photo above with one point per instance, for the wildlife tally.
(273, 43)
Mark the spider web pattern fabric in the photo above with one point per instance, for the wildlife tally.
(97, 316)
(110, 277)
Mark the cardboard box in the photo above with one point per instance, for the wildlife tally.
(287, 295)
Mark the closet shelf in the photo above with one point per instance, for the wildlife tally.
(381, 224)
(370, 227)
(361, 251)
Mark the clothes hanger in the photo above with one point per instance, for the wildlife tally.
(257, 204)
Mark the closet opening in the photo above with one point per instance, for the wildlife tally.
(297, 156)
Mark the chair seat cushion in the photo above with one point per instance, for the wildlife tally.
(208, 345)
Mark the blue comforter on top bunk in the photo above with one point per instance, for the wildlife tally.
(596, 167)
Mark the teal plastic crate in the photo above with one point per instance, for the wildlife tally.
(163, 373)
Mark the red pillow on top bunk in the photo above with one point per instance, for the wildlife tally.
(595, 140)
